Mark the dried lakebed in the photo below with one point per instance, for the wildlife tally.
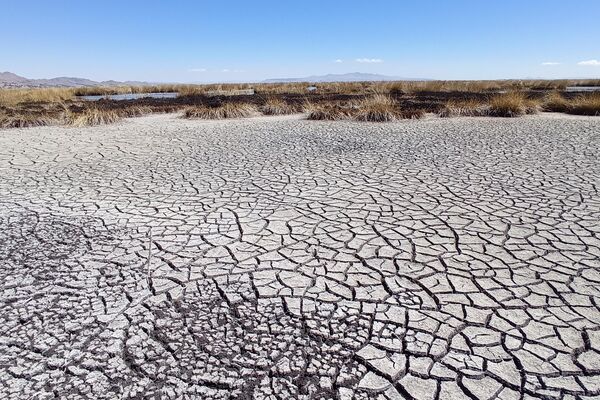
(281, 259)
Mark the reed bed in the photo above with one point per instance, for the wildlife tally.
(15, 96)
(363, 101)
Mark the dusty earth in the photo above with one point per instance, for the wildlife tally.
(287, 259)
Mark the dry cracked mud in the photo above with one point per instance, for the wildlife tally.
(289, 259)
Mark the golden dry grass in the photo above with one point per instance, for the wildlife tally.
(35, 107)
(12, 97)
(224, 111)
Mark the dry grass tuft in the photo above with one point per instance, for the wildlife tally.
(25, 120)
(224, 111)
(275, 106)
(377, 108)
(512, 104)
(464, 108)
(555, 102)
(412, 114)
(328, 111)
(382, 108)
(130, 112)
(585, 104)
(90, 117)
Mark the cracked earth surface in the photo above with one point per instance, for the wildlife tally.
(291, 259)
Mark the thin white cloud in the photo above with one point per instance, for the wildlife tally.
(232, 70)
(593, 63)
(225, 70)
(197, 70)
(369, 60)
(338, 61)
(550, 63)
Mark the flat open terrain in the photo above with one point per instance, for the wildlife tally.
(277, 258)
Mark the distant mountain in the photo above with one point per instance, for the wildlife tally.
(10, 80)
(9, 77)
(350, 77)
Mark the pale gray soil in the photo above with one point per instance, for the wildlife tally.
(281, 259)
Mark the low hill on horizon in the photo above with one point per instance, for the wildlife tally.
(349, 77)
(12, 80)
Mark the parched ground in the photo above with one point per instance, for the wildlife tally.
(288, 259)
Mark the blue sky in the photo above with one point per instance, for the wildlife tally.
(207, 41)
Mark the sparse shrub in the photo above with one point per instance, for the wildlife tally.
(224, 111)
(276, 106)
(511, 104)
(90, 117)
